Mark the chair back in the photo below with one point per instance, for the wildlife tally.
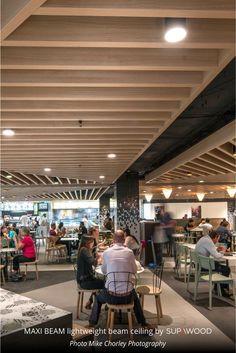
(207, 263)
(157, 277)
(120, 282)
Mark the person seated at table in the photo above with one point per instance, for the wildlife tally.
(131, 242)
(4, 237)
(206, 247)
(116, 259)
(53, 230)
(82, 229)
(26, 244)
(11, 235)
(94, 232)
(205, 226)
(189, 226)
(225, 234)
(61, 232)
(85, 271)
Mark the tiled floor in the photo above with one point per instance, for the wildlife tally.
(179, 317)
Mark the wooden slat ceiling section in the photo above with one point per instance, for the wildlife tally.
(217, 161)
(31, 186)
(81, 79)
(185, 191)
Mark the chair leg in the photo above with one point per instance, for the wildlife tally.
(108, 318)
(210, 296)
(26, 269)
(81, 302)
(78, 305)
(3, 277)
(157, 309)
(130, 323)
(111, 323)
(160, 306)
(37, 273)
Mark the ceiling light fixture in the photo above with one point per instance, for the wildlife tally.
(179, 187)
(8, 132)
(148, 197)
(189, 190)
(175, 29)
(167, 192)
(201, 181)
(47, 169)
(231, 191)
(189, 174)
(211, 192)
(8, 176)
(200, 196)
(102, 176)
(111, 155)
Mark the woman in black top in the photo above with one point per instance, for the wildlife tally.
(85, 270)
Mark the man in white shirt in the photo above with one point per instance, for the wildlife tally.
(44, 226)
(24, 220)
(206, 227)
(119, 287)
(206, 247)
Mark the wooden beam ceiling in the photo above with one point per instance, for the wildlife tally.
(81, 79)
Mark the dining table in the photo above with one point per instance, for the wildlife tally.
(6, 251)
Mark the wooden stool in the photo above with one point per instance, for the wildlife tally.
(2, 274)
(81, 333)
(35, 263)
(80, 300)
(156, 292)
(111, 314)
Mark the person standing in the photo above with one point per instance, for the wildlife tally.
(44, 226)
(86, 222)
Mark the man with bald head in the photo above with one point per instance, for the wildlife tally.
(118, 262)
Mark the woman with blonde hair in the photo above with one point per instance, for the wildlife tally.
(86, 263)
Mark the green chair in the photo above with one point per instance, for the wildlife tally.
(182, 258)
(193, 269)
(208, 263)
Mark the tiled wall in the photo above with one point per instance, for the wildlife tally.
(127, 195)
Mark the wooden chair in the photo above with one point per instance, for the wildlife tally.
(114, 280)
(54, 251)
(81, 291)
(208, 263)
(2, 274)
(26, 264)
(80, 300)
(154, 290)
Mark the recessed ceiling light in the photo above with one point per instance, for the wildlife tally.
(3, 197)
(8, 132)
(189, 174)
(47, 169)
(179, 187)
(189, 190)
(9, 176)
(144, 191)
(211, 192)
(201, 181)
(111, 155)
(175, 29)
(102, 176)
(56, 183)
